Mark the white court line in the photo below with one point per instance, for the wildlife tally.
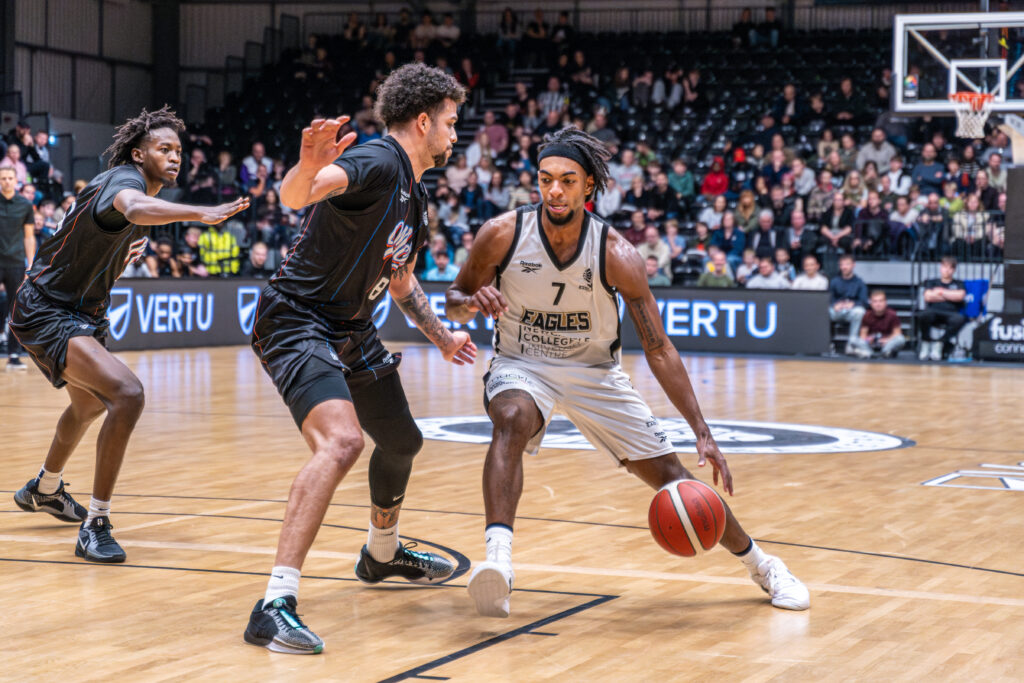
(182, 518)
(557, 569)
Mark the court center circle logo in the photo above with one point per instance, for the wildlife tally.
(733, 436)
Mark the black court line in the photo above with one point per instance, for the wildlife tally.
(849, 551)
(418, 671)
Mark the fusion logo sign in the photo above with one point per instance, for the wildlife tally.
(732, 436)
(248, 297)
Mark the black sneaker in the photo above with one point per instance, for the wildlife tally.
(60, 504)
(14, 364)
(96, 544)
(278, 628)
(410, 565)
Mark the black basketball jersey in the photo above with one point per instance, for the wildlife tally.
(92, 246)
(349, 245)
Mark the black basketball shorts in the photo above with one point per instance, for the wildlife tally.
(310, 360)
(45, 327)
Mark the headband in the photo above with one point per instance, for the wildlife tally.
(560, 149)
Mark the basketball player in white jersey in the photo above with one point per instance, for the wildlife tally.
(548, 274)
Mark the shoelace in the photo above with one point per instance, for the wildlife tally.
(778, 578)
(295, 616)
(422, 559)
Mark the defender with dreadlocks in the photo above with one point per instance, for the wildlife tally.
(556, 270)
(60, 315)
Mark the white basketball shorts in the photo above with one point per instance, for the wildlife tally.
(600, 401)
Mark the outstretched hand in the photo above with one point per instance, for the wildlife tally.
(212, 215)
(489, 301)
(320, 143)
(462, 350)
(708, 449)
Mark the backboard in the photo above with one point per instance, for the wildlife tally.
(935, 55)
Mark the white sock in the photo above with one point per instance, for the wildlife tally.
(382, 543)
(499, 543)
(49, 482)
(283, 581)
(97, 508)
(753, 557)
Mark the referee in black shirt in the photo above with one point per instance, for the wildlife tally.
(17, 248)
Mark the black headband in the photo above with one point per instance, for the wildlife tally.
(560, 149)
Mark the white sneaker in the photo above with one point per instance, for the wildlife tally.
(861, 353)
(936, 352)
(776, 580)
(490, 586)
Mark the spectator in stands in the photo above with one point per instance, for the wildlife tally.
(988, 195)
(828, 143)
(970, 227)
(997, 229)
(944, 298)
(643, 87)
(746, 211)
(218, 250)
(469, 77)
(552, 99)
(257, 157)
(29, 192)
(562, 32)
(256, 265)
(634, 234)
(681, 180)
(961, 181)
(225, 176)
(520, 195)
(653, 246)
(668, 90)
(746, 268)
(782, 206)
(444, 270)
(598, 127)
(637, 197)
(458, 174)
(768, 31)
(783, 264)
(869, 177)
(13, 160)
(848, 105)
(854, 191)
(190, 256)
(712, 214)
(354, 33)
(878, 150)
(37, 158)
(743, 31)
(847, 152)
(789, 110)
(663, 203)
(485, 169)
(1000, 145)
(950, 201)
(48, 211)
(200, 181)
(820, 199)
(811, 277)
(762, 196)
(731, 240)
(462, 253)
(766, 276)
(996, 172)
(676, 242)
(655, 276)
(800, 239)
(422, 37)
(718, 276)
(496, 197)
(880, 330)
(849, 298)
(381, 34)
(471, 197)
(701, 237)
(804, 181)
(448, 33)
(933, 227)
(899, 180)
(767, 237)
(552, 123)
(497, 134)
(776, 168)
(693, 92)
(902, 220)
(536, 40)
(969, 161)
(716, 182)
(837, 225)
(928, 173)
(871, 228)
(162, 262)
(834, 165)
(509, 35)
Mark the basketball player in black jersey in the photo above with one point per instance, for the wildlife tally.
(60, 315)
(597, 396)
(314, 334)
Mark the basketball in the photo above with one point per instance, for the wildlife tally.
(687, 517)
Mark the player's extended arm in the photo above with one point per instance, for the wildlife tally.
(141, 209)
(626, 273)
(30, 243)
(472, 290)
(406, 292)
(316, 177)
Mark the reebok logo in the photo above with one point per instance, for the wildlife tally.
(529, 266)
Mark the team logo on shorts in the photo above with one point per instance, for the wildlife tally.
(248, 298)
(732, 436)
(120, 311)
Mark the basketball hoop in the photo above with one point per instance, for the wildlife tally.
(972, 110)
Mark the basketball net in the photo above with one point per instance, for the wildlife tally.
(972, 111)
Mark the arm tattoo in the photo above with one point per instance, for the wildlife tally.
(417, 308)
(645, 327)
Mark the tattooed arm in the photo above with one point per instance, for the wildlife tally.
(408, 295)
(626, 273)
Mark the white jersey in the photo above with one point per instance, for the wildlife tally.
(558, 314)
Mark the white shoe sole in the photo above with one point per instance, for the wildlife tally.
(490, 589)
(794, 605)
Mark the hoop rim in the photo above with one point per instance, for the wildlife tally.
(977, 101)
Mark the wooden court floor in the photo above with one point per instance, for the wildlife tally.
(908, 582)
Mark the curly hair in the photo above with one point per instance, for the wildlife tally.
(133, 132)
(413, 89)
(588, 147)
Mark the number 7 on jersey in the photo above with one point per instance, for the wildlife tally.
(561, 289)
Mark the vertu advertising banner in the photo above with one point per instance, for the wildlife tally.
(153, 314)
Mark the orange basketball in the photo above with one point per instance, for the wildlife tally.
(687, 517)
